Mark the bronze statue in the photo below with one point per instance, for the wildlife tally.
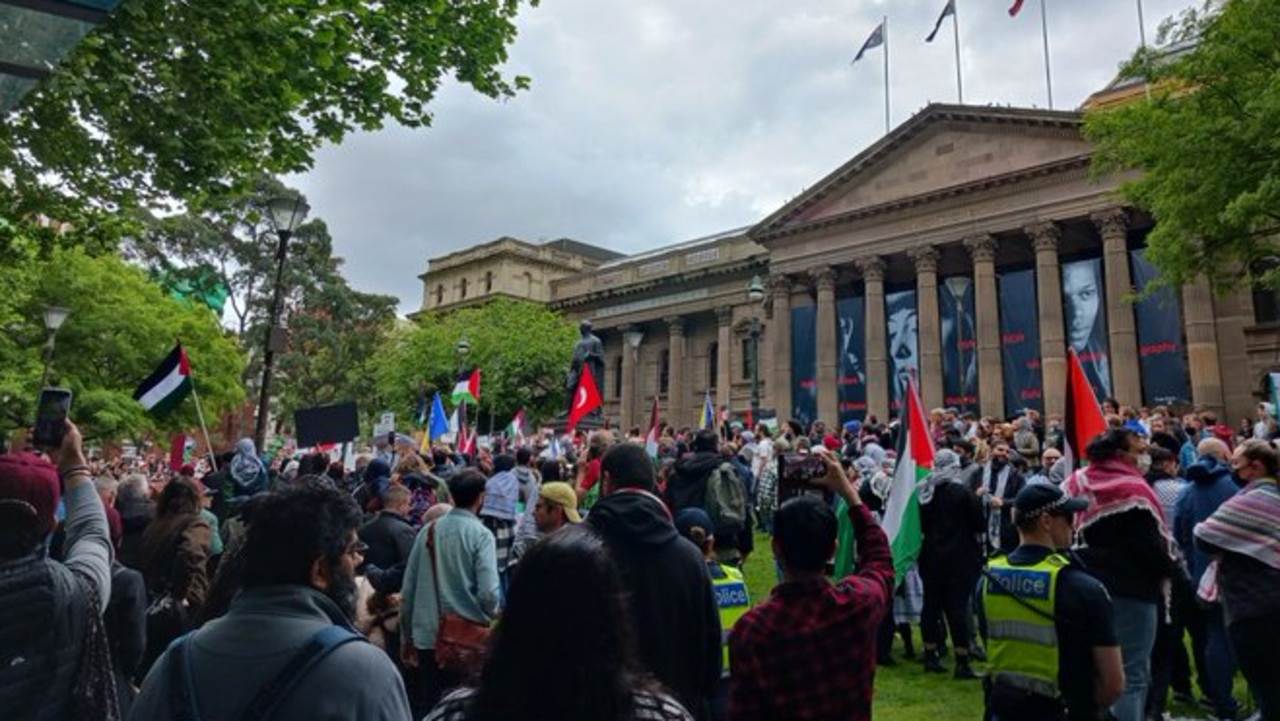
(588, 352)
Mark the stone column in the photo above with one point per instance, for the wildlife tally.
(826, 353)
(986, 303)
(877, 360)
(1122, 330)
(676, 395)
(1053, 338)
(629, 357)
(1232, 313)
(928, 326)
(1202, 346)
(780, 383)
(724, 368)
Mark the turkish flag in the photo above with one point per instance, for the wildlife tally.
(585, 399)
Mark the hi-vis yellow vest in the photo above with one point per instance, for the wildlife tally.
(731, 597)
(1023, 649)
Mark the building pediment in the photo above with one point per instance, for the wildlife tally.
(940, 152)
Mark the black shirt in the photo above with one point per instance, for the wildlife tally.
(1084, 622)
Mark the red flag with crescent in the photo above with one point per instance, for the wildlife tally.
(585, 399)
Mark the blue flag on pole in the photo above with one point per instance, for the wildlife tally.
(875, 40)
(439, 421)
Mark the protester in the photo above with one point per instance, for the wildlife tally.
(556, 507)
(808, 652)
(672, 600)
(54, 659)
(288, 634)
(136, 513)
(389, 536)
(545, 663)
(174, 556)
(498, 514)
(125, 623)
(997, 483)
(530, 487)
(1244, 536)
(248, 474)
(1126, 544)
(459, 577)
(952, 521)
(689, 487)
(1054, 654)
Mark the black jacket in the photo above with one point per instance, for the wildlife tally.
(952, 522)
(687, 487)
(677, 621)
(126, 627)
(135, 516)
(390, 538)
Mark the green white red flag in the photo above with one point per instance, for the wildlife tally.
(915, 460)
(1083, 420)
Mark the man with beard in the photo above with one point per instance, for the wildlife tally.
(286, 648)
(997, 483)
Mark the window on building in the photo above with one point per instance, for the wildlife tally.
(488, 281)
(664, 371)
(748, 358)
(617, 377)
(462, 289)
(439, 293)
(1266, 301)
(713, 363)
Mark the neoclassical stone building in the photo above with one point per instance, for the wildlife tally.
(970, 248)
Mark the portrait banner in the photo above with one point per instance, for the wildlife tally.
(1162, 352)
(804, 364)
(1084, 306)
(1020, 341)
(852, 317)
(903, 336)
(959, 343)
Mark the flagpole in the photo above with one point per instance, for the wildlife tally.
(884, 23)
(1044, 31)
(955, 28)
(200, 414)
(1142, 25)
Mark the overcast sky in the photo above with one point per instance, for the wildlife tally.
(651, 122)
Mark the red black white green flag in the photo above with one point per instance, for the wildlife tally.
(168, 386)
(467, 389)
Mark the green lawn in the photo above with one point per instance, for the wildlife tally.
(904, 692)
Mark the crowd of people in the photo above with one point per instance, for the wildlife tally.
(579, 577)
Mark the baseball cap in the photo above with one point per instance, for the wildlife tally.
(1039, 498)
(30, 483)
(690, 518)
(831, 442)
(559, 493)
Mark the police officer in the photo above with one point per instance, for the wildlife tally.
(1053, 649)
(731, 593)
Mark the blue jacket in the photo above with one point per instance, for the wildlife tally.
(1211, 483)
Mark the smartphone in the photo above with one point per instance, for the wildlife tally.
(51, 417)
(798, 474)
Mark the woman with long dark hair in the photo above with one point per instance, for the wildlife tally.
(174, 555)
(546, 664)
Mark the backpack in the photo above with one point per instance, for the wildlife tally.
(182, 692)
(726, 502)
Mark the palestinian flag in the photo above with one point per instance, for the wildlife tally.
(467, 389)
(915, 460)
(651, 438)
(515, 429)
(1083, 420)
(168, 386)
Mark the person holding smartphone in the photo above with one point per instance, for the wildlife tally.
(50, 611)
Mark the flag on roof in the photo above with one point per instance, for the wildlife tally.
(168, 386)
(948, 11)
(874, 40)
(467, 389)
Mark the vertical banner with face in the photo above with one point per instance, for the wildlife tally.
(903, 336)
(1020, 341)
(852, 314)
(1162, 355)
(959, 343)
(1084, 306)
(804, 364)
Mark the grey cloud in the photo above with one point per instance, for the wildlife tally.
(653, 122)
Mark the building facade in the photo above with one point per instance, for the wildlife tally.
(971, 248)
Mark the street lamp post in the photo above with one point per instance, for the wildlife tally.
(286, 213)
(54, 317)
(755, 294)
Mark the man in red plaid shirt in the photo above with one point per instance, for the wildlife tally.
(809, 652)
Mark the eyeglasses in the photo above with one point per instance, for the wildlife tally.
(357, 549)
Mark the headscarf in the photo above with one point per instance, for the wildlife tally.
(246, 468)
(946, 469)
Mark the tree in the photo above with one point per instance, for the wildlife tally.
(521, 348)
(121, 326)
(1206, 145)
(178, 98)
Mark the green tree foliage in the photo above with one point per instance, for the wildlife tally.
(121, 326)
(1206, 144)
(174, 98)
(522, 350)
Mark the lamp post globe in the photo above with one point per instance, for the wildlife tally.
(54, 317)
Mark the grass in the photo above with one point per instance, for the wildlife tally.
(904, 692)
